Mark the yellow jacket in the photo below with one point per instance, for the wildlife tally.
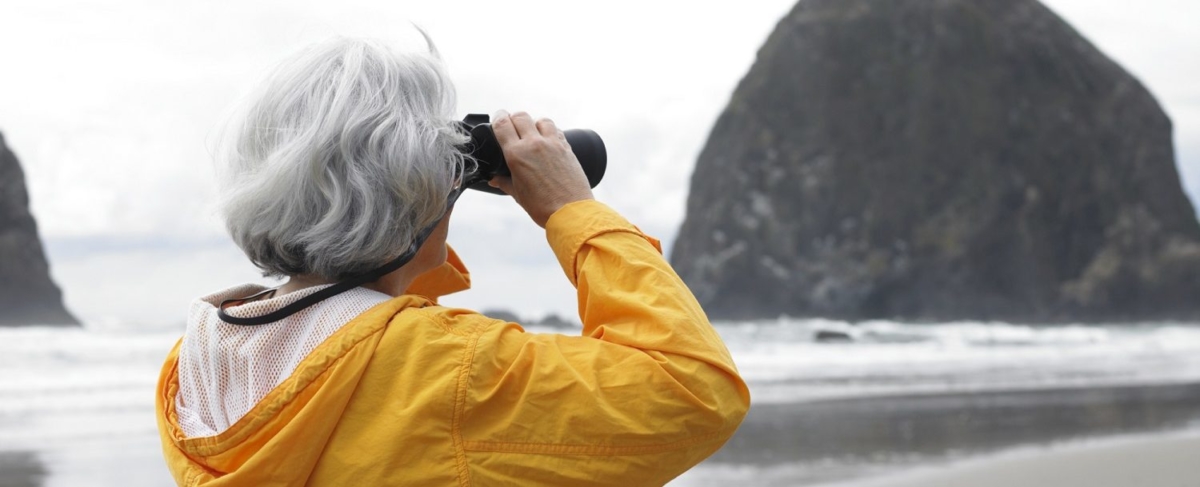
(412, 393)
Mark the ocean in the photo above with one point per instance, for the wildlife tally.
(76, 405)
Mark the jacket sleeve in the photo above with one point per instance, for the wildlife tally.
(647, 391)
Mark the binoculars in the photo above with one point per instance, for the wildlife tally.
(485, 149)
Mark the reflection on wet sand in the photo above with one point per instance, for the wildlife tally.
(851, 437)
(21, 469)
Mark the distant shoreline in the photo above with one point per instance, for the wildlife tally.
(1159, 460)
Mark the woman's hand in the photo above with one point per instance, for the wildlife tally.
(545, 173)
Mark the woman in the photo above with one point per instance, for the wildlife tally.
(344, 163)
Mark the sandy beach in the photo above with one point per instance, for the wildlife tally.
(935, 426)
(1163, 461)
(885, 438)
(20, 469)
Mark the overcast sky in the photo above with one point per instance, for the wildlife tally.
(110, 107)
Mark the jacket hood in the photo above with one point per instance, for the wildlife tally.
(280, 439)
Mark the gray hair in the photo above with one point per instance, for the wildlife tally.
(340, 158)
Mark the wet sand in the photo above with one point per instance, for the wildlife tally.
(21, 469)
(1142, 462)
(821, 442)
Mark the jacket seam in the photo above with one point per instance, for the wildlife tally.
(460, 407)
(442, 322)
(592, 450)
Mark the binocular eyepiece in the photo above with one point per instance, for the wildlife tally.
(485, 149)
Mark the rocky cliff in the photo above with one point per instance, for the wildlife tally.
(939, 160)
(27, 295)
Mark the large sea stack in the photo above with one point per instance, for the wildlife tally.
(939, 160)
(27, 295)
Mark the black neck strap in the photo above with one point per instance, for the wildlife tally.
(341, 287)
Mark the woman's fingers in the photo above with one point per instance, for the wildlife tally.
(547, 128)
(545, 173)
(503, 183)
(523, 123)
(502, 126)
(520, 125)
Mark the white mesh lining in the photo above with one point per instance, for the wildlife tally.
(224, 369)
